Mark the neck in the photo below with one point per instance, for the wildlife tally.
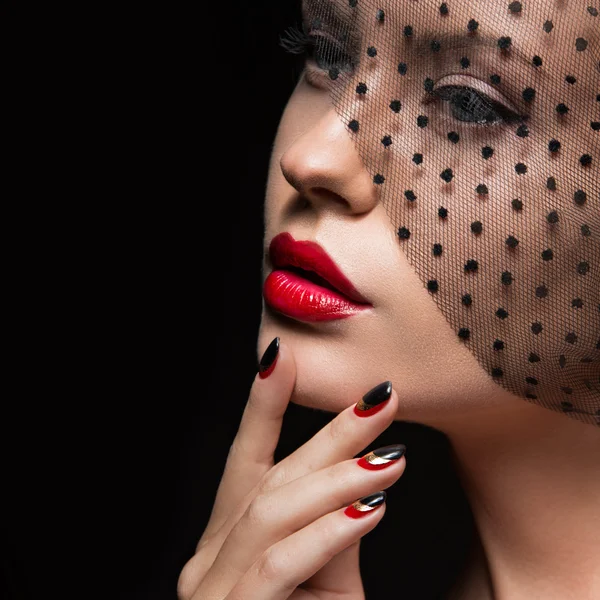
(532, 477)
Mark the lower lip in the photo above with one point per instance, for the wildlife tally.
(296, 297)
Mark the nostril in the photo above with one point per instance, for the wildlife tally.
(321, 193)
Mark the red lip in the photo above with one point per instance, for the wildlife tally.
(307, 285)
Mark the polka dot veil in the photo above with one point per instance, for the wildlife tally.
(479, 123)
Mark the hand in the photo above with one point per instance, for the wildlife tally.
(290, 530)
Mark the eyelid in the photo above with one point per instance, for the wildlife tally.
(478, 85)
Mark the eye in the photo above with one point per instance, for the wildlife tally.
(317, 46)
(469, 105)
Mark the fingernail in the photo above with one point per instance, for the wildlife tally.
(382, 457)
(269, 359)
(372, 402)
(365, 505)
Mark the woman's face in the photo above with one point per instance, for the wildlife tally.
(320, 191)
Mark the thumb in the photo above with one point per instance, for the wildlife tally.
(340, 575)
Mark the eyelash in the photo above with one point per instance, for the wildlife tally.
(459, 98)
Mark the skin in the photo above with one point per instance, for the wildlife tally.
(279, 531)
(531, 475)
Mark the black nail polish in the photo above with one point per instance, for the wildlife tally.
(379, 394)
(365, 504)
(269, 358)
(382, 457)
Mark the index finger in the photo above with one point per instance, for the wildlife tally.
(252, 452)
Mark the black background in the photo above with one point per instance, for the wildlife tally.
(138, 357)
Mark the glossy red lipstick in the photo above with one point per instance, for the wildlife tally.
(307, 285)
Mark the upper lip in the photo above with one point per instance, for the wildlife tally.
(285, 251)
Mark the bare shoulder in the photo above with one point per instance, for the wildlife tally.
(474, 583)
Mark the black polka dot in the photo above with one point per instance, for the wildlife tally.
(361, 88)
(552, 217)
(435, 46)
(528, 94)
(402, 68)
(580, 197)
(517, 204)
(533, 357)
(585, 230)
(583, 267)
(506, 278)
(554, 145)
(551, 183)
(515, 7)
(432, 285)
(472, 25)
(593, 11)
(442, 212)
(536, 328)
(581, 44)
(548, 26)
(437, 249)
(476, 227)
(577, 303)
(502, 313)
(495, 79)
(378, 179)
(562, 108)
(504, 42)
(454, 137)
(541, 291)
(371, 51)
(548, 254)
(571, 338)
(353, 3)
(537, 61)
(422, 121)
(498, 345)
(497, 372)
(417, 158)
(403, 233)
(585, 160)
(595, 125)
(570, 79)
(522, 131)
(410, 195)
(465, 62)
(471, 265)
(482, 189)
(380, 16)
(447, 175)
(531, 380)
(353, 125)
(487, 152)
(464, 333)
(396, 105)
(512, 242)
(428, 84)
(443, 8)
(521, 168)
(408, 31)
(386, 140)
(467, 300)
(562, 361)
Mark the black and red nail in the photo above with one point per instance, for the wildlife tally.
(269, 359)
(382, 457)
(365, 505)
(374, 400)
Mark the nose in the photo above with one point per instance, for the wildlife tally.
(324, 166)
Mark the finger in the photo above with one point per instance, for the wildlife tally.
(252, 452)
(278, 513)
(342, 438)
(293, 560)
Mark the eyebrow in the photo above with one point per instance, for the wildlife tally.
(420, 44)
